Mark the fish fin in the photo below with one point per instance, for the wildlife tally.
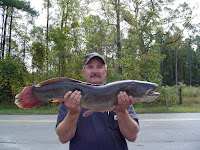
(88, 113)
(26, 100)
(137, 99)
(57, 101)
(56, 80)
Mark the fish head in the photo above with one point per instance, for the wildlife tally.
(143, 90)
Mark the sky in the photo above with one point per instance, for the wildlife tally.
(41, 20)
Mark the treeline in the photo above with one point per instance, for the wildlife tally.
(143, 40)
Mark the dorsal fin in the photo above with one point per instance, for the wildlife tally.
(56, 80)
(73, 80)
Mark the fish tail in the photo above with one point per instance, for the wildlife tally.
(26, 100)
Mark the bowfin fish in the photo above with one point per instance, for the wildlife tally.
(97, 98)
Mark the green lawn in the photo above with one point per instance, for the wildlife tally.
(139, 109)
(172, 109)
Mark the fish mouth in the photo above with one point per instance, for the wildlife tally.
(155, 94)
(151, 92)
(150, 96)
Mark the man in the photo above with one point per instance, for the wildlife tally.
(99, 131)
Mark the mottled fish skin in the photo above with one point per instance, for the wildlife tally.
(99, 98)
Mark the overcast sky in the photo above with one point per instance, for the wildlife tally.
(41, 20)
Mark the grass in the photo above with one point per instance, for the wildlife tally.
(172, 109)
(139, 108)
(13, 110)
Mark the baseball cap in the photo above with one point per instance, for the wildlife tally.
(89, 56)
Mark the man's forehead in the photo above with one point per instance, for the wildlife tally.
(94, 59)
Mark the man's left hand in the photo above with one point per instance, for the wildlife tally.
(124, 101)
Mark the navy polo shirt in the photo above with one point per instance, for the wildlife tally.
(99, 131)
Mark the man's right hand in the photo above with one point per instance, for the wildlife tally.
(72, 102)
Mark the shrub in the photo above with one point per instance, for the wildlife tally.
(13, 76)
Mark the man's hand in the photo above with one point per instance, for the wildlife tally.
(124, 101)
(72, 101)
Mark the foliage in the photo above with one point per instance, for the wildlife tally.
(38, 55)
(95, 34)
(190, 96)
(139, 39)
(191, 92)
(13, 76)
(19, 4)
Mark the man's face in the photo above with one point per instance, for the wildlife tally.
(95, 71)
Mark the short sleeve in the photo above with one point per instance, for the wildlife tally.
(132, 113)
(62, 112)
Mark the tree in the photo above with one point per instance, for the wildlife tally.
(47, 5)
(13, 76)
(95, 34)
(112, 12)
(65, 34)
(151, 32)
(4, 35)
(19, 4)
(38, 53)
(9, 5)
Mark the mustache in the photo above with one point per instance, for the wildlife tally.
(95, 75)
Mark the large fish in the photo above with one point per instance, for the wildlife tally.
(98, 98)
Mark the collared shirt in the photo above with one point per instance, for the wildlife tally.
(99, 131)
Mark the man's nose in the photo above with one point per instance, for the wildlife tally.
(95, 70)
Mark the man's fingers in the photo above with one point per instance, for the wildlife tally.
(67, 95)
(122, 99)
(125, 99)
(77, 97)
(73, 97)
(118, 98)
(132, 100)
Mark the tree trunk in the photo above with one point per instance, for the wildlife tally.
(47, 39)
(24, 44)
(180, 95)
(176, 68)
(4, 34)
(10, 36)
(190, 61)
(118, 36)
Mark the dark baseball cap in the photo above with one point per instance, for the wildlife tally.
(89, 56)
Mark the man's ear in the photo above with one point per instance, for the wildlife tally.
(83, 72)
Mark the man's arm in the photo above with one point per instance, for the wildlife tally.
(67, 128)
(128, 127)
